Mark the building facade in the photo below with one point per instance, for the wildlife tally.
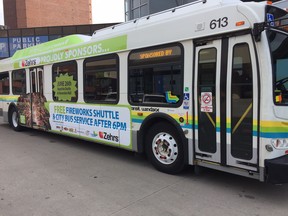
(39, 13)
(138, 8)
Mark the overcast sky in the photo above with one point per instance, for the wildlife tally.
(103, 11)
(107, 11)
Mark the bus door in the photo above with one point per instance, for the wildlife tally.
(207, 98)
(226, 102)
(36, 80)
(242, 104)
(37, 98)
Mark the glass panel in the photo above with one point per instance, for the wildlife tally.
(19, 82)
(135, 3)
(136, 13)
(101, 80)
(53, 37)
(84, 30)
(68, 30)
(55, 30)
(242, 103)
(279, 54)
(207, 94)
(33, 82)
(28, 32)
(144, 10)
(41, 31)
(40, 74)
(3, 33)
(65, 81)
(156, 76)
(14, 32)
(4, 83)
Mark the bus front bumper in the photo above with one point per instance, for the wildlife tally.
(277, 170)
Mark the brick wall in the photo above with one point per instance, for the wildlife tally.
(39, 13)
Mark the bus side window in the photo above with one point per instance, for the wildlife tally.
(155, 72)
(65, 81)
(4, 83)
(101, 78)
(19, 82)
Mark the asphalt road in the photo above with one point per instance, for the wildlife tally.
(44, 174)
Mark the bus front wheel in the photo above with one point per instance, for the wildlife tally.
(14, 119)
(165, 149)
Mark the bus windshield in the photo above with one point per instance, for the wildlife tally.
(278, 42)
(277, 35)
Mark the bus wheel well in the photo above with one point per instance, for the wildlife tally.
(149, 123)
(164, 145)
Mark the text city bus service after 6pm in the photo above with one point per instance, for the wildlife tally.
(204, 84)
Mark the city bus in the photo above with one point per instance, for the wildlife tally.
(204, 84)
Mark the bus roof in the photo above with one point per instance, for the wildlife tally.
(182, 23)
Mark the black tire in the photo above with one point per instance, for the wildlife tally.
(164, 148)
(14, 119)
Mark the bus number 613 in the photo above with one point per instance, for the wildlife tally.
(219, 23)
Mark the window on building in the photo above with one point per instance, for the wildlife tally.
(4, 83)
(19, 82)
(156, 75)
(68, 30)
(101, 79)
(84, 30)
(55, 33)
(65, 81)
(136, 9)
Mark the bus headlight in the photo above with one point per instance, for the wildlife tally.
(280, 143)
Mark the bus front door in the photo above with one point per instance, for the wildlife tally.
(242, 104)
(225, 92)
(38, 113)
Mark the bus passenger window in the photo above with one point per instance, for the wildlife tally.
(4, 83)
(101, 79)
(65, 81)
(155, 74)
(19, 82)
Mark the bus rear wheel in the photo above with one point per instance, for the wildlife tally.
(14, 119)
(165, 149)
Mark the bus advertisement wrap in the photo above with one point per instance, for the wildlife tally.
(101, 123)
(66, 54)
(65, 87)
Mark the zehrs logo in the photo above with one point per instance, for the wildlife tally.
(29, 62)
(108, 136)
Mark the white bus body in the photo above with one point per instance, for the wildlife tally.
(202, 84)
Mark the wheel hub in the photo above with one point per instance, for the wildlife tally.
(165, 148)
